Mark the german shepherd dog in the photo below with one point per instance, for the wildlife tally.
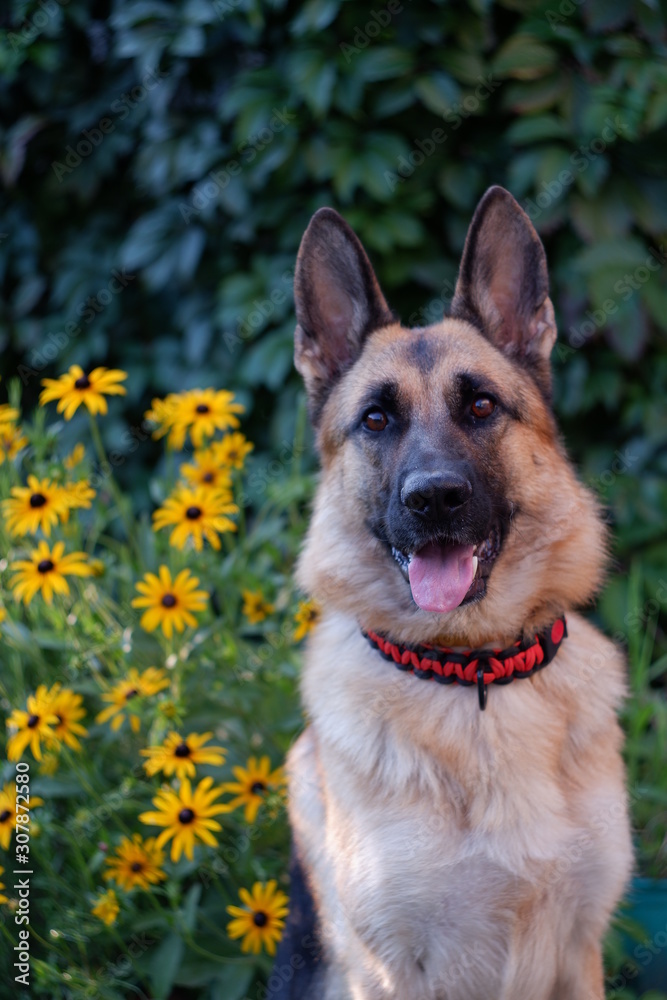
(460, 823)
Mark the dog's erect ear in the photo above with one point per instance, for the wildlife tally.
(338, 303)
(503, 285)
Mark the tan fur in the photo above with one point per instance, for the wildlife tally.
(454, 853)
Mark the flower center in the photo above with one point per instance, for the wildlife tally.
(37, 500)
(182, 750)
(208, 477)
(186, 816)
(260, 919)
(232, 455)
(32, 721)
(132, 693)
(82, 383)
(192, 513)
(45, 566)
(136, 866)
(4, 815)
(168, 601)
(202, 408)
(258, 788)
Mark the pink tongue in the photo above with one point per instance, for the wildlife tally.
(440, 576)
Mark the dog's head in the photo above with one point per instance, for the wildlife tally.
(447, 508)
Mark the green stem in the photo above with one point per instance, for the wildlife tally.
(114, 488)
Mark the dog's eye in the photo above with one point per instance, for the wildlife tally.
(482, 406)
(375, 419)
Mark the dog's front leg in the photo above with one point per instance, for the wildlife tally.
(583, 978)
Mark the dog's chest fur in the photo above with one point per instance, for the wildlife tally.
(439, 831)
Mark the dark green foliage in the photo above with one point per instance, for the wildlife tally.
(400, 116)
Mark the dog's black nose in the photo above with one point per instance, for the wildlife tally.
(434, 495)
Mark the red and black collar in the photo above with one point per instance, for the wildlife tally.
(479, 667)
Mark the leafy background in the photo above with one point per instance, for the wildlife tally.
(207, 296)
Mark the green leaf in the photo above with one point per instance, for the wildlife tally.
(524, 57)
(164, 965)
(232, 984)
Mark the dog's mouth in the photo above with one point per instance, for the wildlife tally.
(445, 574)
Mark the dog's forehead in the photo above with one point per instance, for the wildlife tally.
(421, 356)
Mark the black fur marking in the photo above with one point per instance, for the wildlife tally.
(422, 353)
(299, 965)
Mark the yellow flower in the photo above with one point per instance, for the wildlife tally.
(186, 816)
(197, 514)
(3, 898)
(8, 415)
(106, 907)
(162, 413)
(307, 614)
(78, 494)
(136, 863)
(49, 765)
(262, 920)
(75, 387)
(29, 725)
(131, 690)
(178, 755)
(12, 440)
(199, 412)
(75, 457)
(3, 613)
(170, 603)
(67, 707)
(255, 608)
(40, 504)
(206, 471)
(232, 450)
(251, 785)
(8, 812)
(46, 571)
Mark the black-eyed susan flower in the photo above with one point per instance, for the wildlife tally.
(255, 607)
(8, 414)
(3, 898)
(8, 812)
(206, 471)
(32, 724)
(196, 514)
(75, 457)
(76, 387)
(253, 783)
(40, 504)
(169, 603)
(46, 570)
(12, 440)
(106, 907)
(204, 411)
(3, 613)
(231, 451)
(137, 863)
(261, 921)
(162, 413)
(186, 816)
(78, 494)
(67, 706)
(305, 618)
(128, 694)
(179, 754)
